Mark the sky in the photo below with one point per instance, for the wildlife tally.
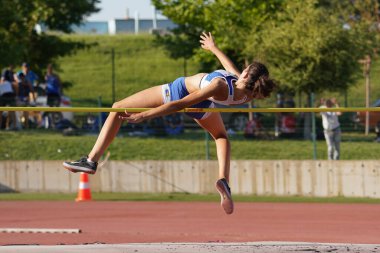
(111, 9)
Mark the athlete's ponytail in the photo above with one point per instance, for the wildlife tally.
(258, 80)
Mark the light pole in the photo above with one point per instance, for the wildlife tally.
(366, 71)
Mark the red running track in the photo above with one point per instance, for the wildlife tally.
(139, 222)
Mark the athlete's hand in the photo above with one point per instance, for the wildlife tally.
(207, 41)
(131, 117)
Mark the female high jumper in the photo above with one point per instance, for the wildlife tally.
(226, 87)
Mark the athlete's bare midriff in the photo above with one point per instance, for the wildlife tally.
(192, 82)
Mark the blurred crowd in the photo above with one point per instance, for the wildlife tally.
(23, 87)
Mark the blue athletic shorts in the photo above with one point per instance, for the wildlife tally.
(177, 90)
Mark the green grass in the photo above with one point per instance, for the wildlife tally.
(139, 64)
(50, 145)
(180, 197)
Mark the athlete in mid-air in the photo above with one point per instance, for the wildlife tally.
(202, 90)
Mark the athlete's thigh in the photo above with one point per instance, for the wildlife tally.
(214, 125)
(149, 98)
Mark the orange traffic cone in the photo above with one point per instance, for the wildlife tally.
(84, 193)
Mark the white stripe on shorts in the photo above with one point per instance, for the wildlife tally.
(166, 96)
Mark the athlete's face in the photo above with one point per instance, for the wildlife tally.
(245, 72)
(243, 76)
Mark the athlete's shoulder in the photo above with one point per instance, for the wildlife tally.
(220, 73)
(225, 72)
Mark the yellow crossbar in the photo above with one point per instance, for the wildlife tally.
(244, 110)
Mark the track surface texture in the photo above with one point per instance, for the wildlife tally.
(190, 227)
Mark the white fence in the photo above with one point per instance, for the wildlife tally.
(279, 178)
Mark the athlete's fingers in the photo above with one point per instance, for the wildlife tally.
(122, 117)
(127, 114)
(211, 37)
(205, 40)
(131, 117)
(204, 35)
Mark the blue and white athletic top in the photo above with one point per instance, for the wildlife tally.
(230, 80)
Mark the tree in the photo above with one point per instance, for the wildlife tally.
(179, 44)
(308, 49)
(228, 20)
(20, 42)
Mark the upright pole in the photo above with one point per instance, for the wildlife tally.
(207, 137)
(313, 127)
(137, 22)
(154, 18)
(366, 70)
(100, 125)
(367, 90)
(113, 74)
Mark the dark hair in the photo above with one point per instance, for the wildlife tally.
(258, 80)
(20, 75)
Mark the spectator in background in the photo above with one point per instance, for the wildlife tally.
(254, 126)
(8, 75)
(53, 87)
(377, 131)
(25, 93)
(288, 125)
(8, 90)
(7, 98)
(331, 129)
(30, 76)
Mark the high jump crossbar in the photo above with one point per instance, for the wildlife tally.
(242, 110)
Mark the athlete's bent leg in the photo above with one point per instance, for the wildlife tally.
(215, 126)
(149, 98)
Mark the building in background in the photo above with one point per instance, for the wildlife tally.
(126, 25)
(117, 26)
(120, 26)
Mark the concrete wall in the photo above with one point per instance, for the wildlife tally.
(281, 178)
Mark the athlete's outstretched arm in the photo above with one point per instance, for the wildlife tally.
(174, 106)
(207, 42)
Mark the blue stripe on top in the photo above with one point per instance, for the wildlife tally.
(228, 78)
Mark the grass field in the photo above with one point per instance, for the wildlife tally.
(139, 64)
(178, 197)
(51, 145)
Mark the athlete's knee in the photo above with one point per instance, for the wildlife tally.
(117, 104)
(115, 115)
(222, 138)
